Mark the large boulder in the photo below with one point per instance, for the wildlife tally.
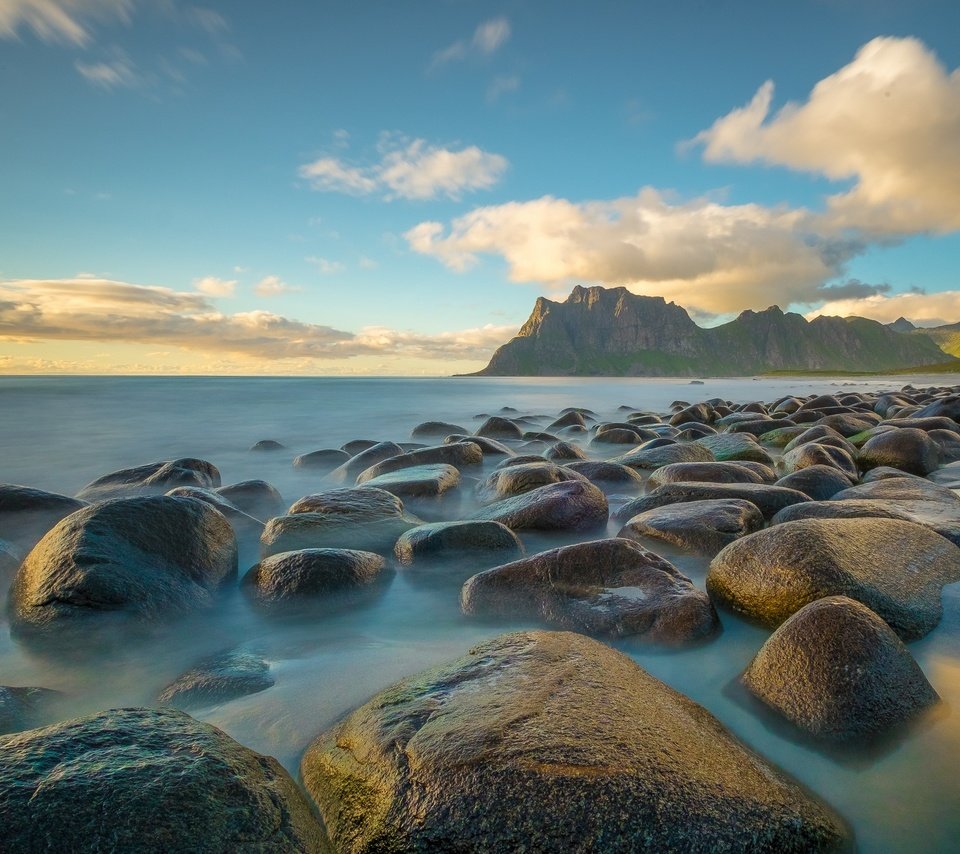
(548, 741)
(510, 480)
(418, 481)
(152, 479)
(218, 680)
(139, 560)
(655, 457)
(893, 567)
(457, 454)
(731, 447)
(315, 573)
(768, 499)
(837, 671)
(908, 449)
(150, 780)
(819, 482)
(704, 527)
(727, 472)
(574, 505)
(611, 587)
(603, 473)
(27, 514)
(814, 454)
(457, 544)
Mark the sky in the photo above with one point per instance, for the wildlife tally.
(385, 187)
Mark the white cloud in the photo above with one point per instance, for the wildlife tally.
(273, 286)
(111, 73)
(410, 169)
(366, 263)
(923, 309)
(890, 120)
(709, 257)
(64, 21)
(102, 310)
(487, 38)
(500, 85)
(325, 265)
(214, 287)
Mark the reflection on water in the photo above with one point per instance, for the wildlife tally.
(58, 434)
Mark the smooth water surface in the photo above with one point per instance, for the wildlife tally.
(60, 433)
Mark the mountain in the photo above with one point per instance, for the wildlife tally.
(612, 332)
(901, 324)
(947, 337)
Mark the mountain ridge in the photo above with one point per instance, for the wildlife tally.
(600, 331)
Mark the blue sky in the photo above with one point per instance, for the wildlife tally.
(386, 187)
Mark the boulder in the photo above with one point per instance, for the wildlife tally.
(147, 780)
(458, 454)
(218, 680)
(654, 457)
(254, 497)
(152, 479)
(418, 481)
(245, 527)
(838, 672)
(908, 449)
(819, 482)
(730, 447)
(25, 708)
(609, 587)
(606, 473)
(436, 430)
(562, 451)
(512, 480)
(490, 447)
(321, 462)
(358, 504)
(27, 514)
(463, 543)
(702, 473)
(499, 428)
(704, 527)
(268, 445)
(312, 574)
(349, 470)
(768, 499)
(569, 506)
(137, 560)
(544, 741)
(894, 568)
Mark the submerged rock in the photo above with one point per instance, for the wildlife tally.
(522, 745)
(436, 430)
(838, 671)
(515, 479)
(704, 527)
(321, 462)
(490, 447)
(152, 479)
(418, 481)
(819, 482)
(457, 454)
(654, 457)
(496, 427)
(255, 497)
(218, 680)
(151, 780)
(466, 543)
(768, 499)
(611, 587)
(349, 470)
(895, 568)
(312, 573)
(606, 473)
(25, 708)
(573, 505)
(136, 559)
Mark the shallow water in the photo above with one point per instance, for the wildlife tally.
(60, 433)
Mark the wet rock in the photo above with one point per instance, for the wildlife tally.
(521, 745)
(819, 482)
(358, 446)
(499, 428)
(490, 447)
(323, 461)
(457, 454)
(700, 413)
(894, 568)
(821, 435)
(575, 505)
(511, 480)
(349, 470)
(520, 460)
(766, 473)
(781, 437)
(137, 560)
(268, 445)
(312, 574)
(150, 780)
(908, 449)
(702, 473)
(948, 443)
(218, 680)
(436, 430)
(654, 457)
(10, 557)
(815, 454)
(768, 499)
(466, 543)
(254, 497)
(27, 514)
(152, 479)
(611, 587)
(244, 526)
(735, 447)
(704, 527)
(418, 481)
(945, 407)
(606, 473)
(849, 425)
(26, 708)
(837, 671)
(358, 504)
(570, 419)
(757, 427)
(563, 451)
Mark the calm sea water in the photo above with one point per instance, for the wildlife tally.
(60, 433)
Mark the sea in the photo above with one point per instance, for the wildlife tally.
(59, 433)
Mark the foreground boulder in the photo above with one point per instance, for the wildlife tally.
(613, 587)
(704, 527)
(837, 671)
(573, 505)
(133, 559)
(27, 514)
(548, 741)
(152, 479)
(895, 568)
(147, 780)
(218, 680)
(314, 573)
